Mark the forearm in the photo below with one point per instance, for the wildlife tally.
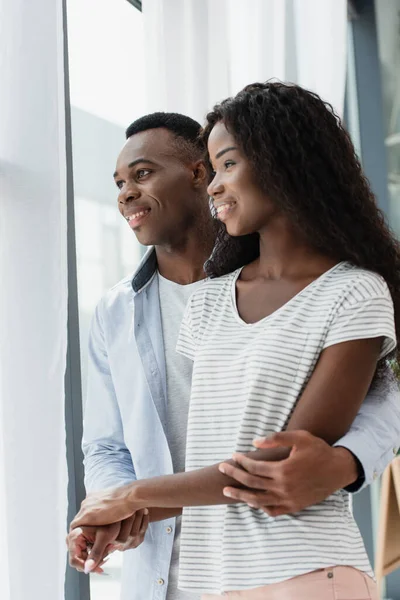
(201, 487)
(344, 467)
(375, 434)
(160, 514)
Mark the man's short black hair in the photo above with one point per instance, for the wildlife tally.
(186, 131)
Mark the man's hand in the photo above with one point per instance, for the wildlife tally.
(311, 473)
(132, 537)
(89, 546)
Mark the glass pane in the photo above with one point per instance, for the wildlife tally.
(107, 94)
(388, 24)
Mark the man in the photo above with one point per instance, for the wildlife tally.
(139, 387)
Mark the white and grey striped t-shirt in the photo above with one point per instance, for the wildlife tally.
(246, 381)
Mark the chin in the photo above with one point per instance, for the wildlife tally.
(237, 230)
(145, 238)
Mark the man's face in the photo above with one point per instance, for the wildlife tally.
(158, 191)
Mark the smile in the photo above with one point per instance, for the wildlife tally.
(224, 208)
(137, 217)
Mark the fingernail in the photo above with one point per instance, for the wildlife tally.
(221, 468)
(235, 456)
(259, 440)
(146, 511)
(252, 505)
(89, 564)
(227, 493)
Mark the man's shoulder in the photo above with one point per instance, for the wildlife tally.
(118, 299)
(120, 289)
(123, 285)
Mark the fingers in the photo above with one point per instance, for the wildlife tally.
(275, 511)
(285, 439)
(137, 523)
(145, 525)
(247, 479)
(104, 537)
(268, 502)
(252, 498)
(129, 529)
(77, 549)
(138, 530)
(125, 529)
(261, 468)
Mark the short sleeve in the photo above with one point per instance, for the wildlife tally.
(366, 311)
(186, 344)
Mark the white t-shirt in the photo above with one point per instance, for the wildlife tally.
(246, 381)
(173, 300)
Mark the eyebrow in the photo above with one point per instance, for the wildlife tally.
(224, 151)
(135, 162)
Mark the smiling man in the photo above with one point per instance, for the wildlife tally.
(139, 387)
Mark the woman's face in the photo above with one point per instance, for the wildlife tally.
(238, 199)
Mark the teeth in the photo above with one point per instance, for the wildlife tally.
(139, 214)
(222, 207)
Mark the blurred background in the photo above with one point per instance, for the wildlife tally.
(76, 74)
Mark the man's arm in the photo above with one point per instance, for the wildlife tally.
(341, 378)
(107, 460)
(316, 469)
(374, 437)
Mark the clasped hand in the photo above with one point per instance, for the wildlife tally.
(89, 547)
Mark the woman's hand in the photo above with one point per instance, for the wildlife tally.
(89, 546)
(106, 507)
(83, 541)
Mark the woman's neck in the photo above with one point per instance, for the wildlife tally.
(285, 253)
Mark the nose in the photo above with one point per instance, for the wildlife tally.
(128, 193)
(215, 187)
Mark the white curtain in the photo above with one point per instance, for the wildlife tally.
(33, 301)
(199, 52)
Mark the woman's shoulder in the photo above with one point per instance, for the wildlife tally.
(215, 285)
(359, 283)
(213, 292)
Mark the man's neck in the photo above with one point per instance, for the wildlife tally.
(184, 264)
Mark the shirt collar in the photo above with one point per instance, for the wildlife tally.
(145, 270)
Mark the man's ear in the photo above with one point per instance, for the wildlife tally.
(200, 173)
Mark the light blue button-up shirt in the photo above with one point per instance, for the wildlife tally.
(125, 417)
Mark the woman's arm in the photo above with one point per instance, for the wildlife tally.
(326, 409)
(160, 514)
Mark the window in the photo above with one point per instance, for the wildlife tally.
(106, 72)
(388, 26)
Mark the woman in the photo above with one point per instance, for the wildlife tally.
(296, 322)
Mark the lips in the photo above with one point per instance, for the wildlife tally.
(222, 208)
(137, 216)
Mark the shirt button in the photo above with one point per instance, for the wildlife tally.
(330, 574)
(375, 475)
(160, 581)
(169, 529)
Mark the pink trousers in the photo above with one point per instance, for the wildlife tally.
(335, 583)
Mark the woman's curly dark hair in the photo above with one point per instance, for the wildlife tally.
(304, 159)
